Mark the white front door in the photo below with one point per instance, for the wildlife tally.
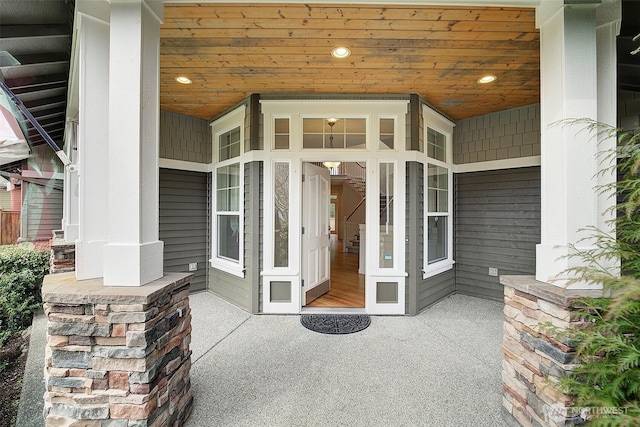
(316, 263)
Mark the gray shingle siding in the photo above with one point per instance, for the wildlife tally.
(502, 135)
(184, 138)
(497, 224)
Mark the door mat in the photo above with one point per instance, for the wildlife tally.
(335, 323)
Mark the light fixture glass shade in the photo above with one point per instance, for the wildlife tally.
(341, 52)
(487, 79)
(184, 80)
(331, 164)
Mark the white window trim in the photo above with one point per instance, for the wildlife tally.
(447, 263)
(373, 217)
(224, 264)
(225, 124)
(296, 110)
(435, 121)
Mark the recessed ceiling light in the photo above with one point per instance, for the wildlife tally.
(487, 79)
(184, 80)
(340, 52)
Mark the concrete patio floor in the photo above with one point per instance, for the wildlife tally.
(440, 368)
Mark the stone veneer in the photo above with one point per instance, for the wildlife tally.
(63, 257)
(117, 356)
(63, 254)
(533, 360)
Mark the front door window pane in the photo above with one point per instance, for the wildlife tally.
(386, 215)
(281, 214)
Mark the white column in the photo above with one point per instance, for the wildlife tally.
(93, 144)
(570, 82)
(133, 254)
(608, 20)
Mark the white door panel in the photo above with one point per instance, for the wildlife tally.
(315, 239)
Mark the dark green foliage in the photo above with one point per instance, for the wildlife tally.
(16, 258)
(609, 348)
(21, 274)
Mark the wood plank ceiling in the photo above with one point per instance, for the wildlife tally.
(233, 50)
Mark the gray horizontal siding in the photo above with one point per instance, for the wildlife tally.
(243, 291)
(435, 288)
(497, 224)
(425, 292)
(254, 214)
(230, 288)
(258, 247)
(42, 212)
(411, 261)
(184, 223)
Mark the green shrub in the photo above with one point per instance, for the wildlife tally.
(16, 258)
(608, 350)
(21, 274)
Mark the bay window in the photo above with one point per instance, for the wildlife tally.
(228, 211)
(438, 192)
(228, 203)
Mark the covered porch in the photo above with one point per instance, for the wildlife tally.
(441, 367)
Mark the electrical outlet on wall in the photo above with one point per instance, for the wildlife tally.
(193, 266)
(493, 271)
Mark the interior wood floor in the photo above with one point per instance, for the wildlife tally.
(347, 286)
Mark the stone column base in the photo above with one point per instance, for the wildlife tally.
(117, 356)
(534, 360)
(63, 256)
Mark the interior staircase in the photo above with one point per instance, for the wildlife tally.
(353, 175)
(353, 245)
(357, 183)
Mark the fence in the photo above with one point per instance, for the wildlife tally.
(9, 227)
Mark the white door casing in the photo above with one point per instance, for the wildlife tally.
(384, 280)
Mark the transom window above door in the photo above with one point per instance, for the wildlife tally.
(328, 133)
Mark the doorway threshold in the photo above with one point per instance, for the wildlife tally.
(333, 310)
